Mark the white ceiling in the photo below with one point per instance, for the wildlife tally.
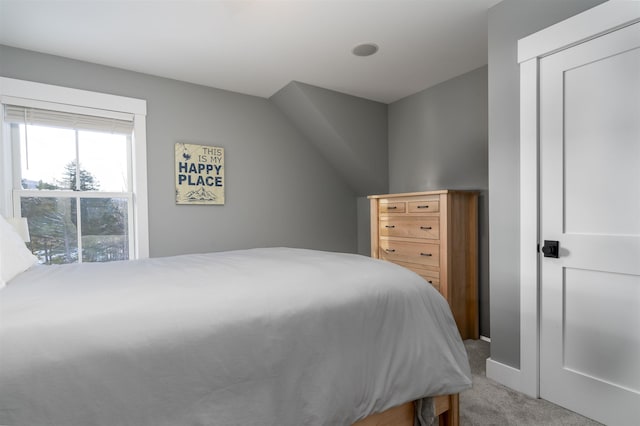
(257, 47)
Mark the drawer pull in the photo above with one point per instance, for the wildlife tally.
(425, 227)
(390, 250)
(430, 282)
(389, 226)
(423, 207)
(392, 207)
(426, 254)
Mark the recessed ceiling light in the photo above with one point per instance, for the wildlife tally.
(365, 49)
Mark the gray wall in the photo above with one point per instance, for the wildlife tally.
(351, 133)
(438, 140)
(279, 191)
(510, 21)
(364, 225)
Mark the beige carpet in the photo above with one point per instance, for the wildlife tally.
(490, 403)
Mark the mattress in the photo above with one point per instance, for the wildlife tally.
(269, 336)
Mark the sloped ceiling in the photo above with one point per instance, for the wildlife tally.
(349, 132)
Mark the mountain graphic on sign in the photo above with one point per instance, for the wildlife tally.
(200, 195)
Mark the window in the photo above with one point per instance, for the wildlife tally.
(77, 171)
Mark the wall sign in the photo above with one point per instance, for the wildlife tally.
(199, 174)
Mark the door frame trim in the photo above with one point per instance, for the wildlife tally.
(585, 26)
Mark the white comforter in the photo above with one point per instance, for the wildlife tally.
(251, 337)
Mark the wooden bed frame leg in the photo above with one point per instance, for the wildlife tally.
(451, 417)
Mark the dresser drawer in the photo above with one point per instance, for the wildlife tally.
(424, 206)
(393, 206)
(411, 227)
(402, 251)
(433, 281)
(432, 277)
(430, 273)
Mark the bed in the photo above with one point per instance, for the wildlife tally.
(265, 336)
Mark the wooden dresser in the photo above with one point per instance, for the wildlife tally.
(435, 234)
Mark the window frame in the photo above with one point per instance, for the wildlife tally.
(27, 93)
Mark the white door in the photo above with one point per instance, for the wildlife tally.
(590, 204)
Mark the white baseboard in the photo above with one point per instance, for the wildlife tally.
(485, 339)
(504, 374)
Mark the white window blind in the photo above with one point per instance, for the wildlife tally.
(45, 117)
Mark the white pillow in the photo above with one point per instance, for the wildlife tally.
(15, 257)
